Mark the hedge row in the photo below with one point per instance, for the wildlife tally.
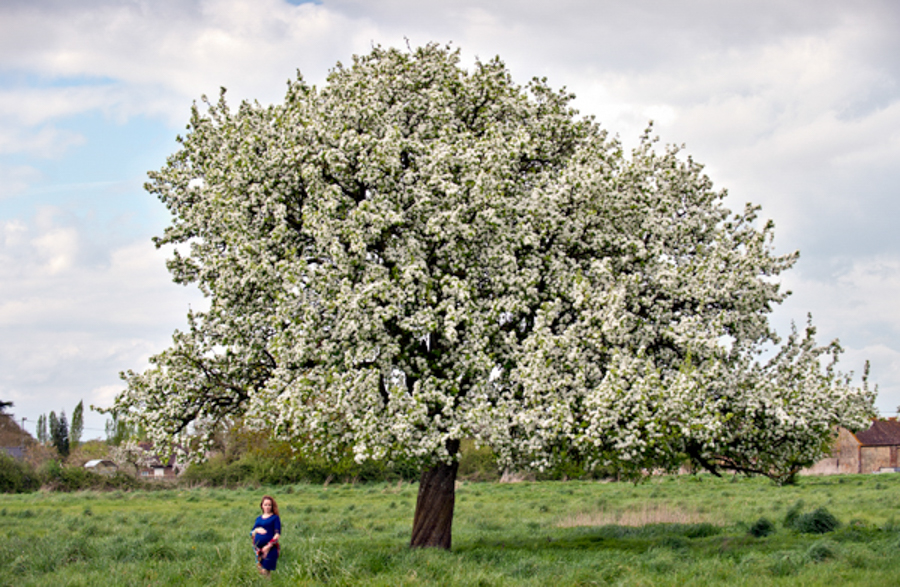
(267, 464)
(20, 477)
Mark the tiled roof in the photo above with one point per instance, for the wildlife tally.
(880, 433)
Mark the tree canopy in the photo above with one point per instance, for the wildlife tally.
(417, 253)
(59, 433)
(76, 428)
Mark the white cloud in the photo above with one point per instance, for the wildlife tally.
(862, 292)
(32, 106)
(71, 324)
(45, 281)
(885, 372)
(730, 74)
(15, 179)
(46, 141)
(104, 396)
(57, 248)
(155, 57)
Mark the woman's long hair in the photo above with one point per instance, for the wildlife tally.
(274, 504)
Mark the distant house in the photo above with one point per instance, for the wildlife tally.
(102, 466)
(868, 451)
(156, 467)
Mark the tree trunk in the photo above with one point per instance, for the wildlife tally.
(433, 522)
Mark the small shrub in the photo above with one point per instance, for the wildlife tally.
(761, 528)
(17, 476)
(821, 521)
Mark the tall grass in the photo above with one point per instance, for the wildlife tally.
(669, 531)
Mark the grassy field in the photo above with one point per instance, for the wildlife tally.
(670, 531)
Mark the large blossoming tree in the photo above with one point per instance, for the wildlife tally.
(417, 253)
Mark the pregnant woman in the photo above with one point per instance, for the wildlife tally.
(265, 534)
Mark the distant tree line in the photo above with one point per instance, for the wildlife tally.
(54, 457)
(58, 432)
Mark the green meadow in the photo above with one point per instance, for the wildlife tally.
(687, 530)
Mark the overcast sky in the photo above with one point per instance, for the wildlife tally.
(791, 105)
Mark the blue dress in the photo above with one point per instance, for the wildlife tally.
(272, 526)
